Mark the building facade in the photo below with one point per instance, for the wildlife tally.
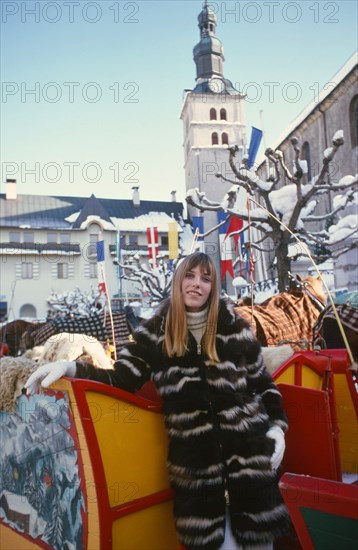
(335, 108)
(49, 245)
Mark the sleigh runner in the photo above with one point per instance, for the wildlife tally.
(83, 465)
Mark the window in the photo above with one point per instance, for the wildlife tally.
(65, 238)
(353, 121)
(224, 138)
(62, 271)
(27, 270)
(132, 240)
(28, 310)
(93, 270)
(223, 114)
(28, 237)
(212, 114)
(306, 155)
(214, 138)
(14, 237)
(52, 237)
(92, 249)
(165, 241)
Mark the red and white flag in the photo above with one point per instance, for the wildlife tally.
(153, 247)
(235, 224)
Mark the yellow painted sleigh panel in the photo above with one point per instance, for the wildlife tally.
(84, 466)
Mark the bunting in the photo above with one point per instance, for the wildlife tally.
(100, 265)
(153, 247)
(226, 251)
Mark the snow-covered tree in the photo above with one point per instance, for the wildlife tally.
(34, 490)
(54, 529)
(277, 212)
(152, 281)
(73, 303)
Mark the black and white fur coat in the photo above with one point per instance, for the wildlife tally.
(217, 416)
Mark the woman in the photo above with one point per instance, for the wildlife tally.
(222, 411)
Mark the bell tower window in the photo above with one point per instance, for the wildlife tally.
(212, 114)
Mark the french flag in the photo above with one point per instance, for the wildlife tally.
(153, 247)
(100, 263)
(226, 251)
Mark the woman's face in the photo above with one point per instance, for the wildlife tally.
(196, 288)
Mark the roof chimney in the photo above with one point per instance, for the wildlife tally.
(135, 196)
(174, 196)
(11, 189)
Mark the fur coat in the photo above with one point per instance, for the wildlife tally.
(217, 416)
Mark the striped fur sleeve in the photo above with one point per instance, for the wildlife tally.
(259, 380)
(133, 366)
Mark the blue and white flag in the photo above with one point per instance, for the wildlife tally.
(255, 140)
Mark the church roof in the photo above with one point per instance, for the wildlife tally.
(57, 212)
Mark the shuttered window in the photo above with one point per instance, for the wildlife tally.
(62, 271)
(27, 270)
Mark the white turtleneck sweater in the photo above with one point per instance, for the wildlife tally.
(197, 321)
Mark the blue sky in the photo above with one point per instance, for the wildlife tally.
(107, 81)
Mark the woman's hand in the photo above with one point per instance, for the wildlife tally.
(278, 436)
(49, 373)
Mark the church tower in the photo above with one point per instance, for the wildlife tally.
(213, 119)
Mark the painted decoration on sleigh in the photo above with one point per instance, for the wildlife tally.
(41, 492)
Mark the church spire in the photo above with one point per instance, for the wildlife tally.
(209, 57)
(207, 21)
(209, 53)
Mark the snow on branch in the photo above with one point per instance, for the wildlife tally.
(155, 281)
(279, 212)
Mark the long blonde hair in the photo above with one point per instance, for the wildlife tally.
(176, 328)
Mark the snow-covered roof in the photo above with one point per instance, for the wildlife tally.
(140, 224)
(21, 505)
(61, 213)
